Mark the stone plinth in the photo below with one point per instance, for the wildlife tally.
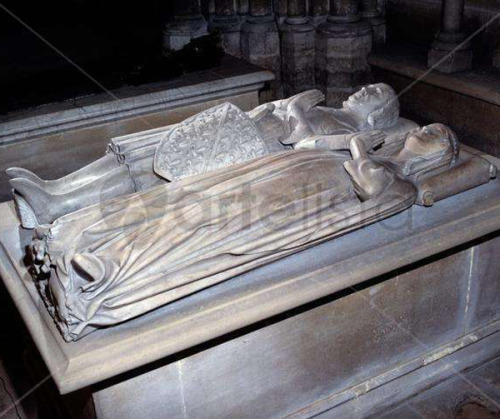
(449, 57)
(342, 50)
(182, 30)
(299, 336)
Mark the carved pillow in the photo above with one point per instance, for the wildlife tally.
(218, 137)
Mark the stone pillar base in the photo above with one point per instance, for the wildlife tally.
(229, 29)
(260, 45)
(297, 48)
(181, 30)
(318, 20)
(443, 57)
(341, 59)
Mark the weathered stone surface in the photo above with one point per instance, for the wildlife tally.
(261, 293)
(484, 294)
(188, 23)
(464, 101)
(471, 394)
(450, 62)
(297, 49)
(260, 45)
(75, 136)
(158, 394)
(228, 24)
(341, 59)
(216, 138)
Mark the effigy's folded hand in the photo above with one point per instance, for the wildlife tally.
(305, 101)
(370, 139)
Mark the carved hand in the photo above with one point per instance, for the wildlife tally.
(370, 139)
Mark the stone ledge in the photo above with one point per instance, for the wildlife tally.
(483, 85)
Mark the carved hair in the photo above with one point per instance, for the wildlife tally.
(448, 134)
(387, 115)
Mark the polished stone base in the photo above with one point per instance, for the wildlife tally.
(340, 322)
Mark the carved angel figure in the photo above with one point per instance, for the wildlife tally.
(105, 264)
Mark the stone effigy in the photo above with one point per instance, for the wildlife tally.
(226, 204)
(135, 162)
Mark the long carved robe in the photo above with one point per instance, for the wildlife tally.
(121, 259)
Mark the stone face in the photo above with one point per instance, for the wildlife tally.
(341, 59)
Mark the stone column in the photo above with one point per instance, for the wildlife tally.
(318, 10)
(297, 49)
(370, 12)
(242, 7)
(449, 53)
(228, 23)
(188, 23)
(280, 10)
(260, 42)
(343, 44)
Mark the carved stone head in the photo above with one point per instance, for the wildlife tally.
(427, 148)
(377, 104)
